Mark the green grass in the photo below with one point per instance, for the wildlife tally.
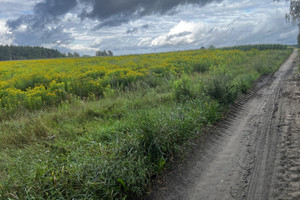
(112, 148)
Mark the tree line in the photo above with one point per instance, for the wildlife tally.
(11, 52)
(104, 53)
(258, 47)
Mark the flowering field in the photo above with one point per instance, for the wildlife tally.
(105, 127)
(38, 83)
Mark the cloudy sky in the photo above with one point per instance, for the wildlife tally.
(143, 26)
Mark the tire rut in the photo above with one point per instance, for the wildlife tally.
(287, 181)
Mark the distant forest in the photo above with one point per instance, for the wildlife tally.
(258, 47)
(27, 52)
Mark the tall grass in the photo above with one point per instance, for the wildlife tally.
(113, 147)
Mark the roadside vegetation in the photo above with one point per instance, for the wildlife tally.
(297, 71)
(105, 127)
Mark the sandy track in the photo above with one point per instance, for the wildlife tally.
(253, 154)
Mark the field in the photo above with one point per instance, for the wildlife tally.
(104, 128)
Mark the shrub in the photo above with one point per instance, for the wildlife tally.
(183, 89)
(220, 86)
(244, 82)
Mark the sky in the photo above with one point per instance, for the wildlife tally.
(143, 26)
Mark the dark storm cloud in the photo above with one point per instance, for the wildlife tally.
(116, 12)
(110, 13)
(44, 13)
(34, 38)
(47, 15)
(38, 31)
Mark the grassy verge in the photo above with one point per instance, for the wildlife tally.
(113, 147)
(297, 71)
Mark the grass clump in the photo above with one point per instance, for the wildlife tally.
(183, 89)
(220, 87)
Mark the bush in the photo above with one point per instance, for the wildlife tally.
(183, 89)
(244, 82)
(220, 86)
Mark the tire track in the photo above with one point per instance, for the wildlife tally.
(287, 181)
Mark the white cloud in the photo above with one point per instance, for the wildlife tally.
(78, 47)
(183, 33)
(5, 37)
(226, 24)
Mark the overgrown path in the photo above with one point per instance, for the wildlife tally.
(253, 154)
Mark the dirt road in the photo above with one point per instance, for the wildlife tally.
(254, 154)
